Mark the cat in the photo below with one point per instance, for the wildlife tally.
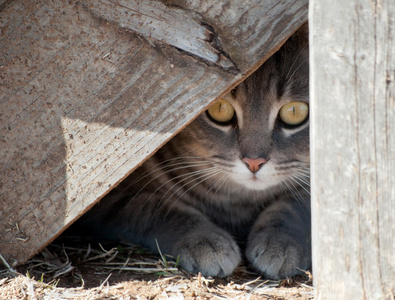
(235, 180)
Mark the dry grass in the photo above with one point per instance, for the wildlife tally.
(128, 272)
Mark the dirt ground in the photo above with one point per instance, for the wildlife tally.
(95, 271)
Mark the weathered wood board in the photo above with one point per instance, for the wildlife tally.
(89, 89)
(352, 50)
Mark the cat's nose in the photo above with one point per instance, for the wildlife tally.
(254, 164)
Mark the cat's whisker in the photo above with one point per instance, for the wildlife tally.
(164, 166)
(303, 178)
(302, 181)
(217, 185)
(194, 173)
(163, 162)
(307, 167)
(183, 177)
(294, 179)
(290, 76)
(178, 178)
(205, 177)
(169, 168)
(303, 174)
(161, 172)
(291, 189)
(290, 69)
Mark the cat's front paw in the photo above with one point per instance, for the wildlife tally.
(278, 255)
(212, 254)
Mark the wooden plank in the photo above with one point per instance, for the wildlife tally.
(353, 148)
(88, 92)
(154, 20)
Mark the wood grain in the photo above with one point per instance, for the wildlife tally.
(173, 26)
(353, 148)
(89, 90)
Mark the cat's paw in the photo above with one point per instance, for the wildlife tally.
(212, 254)
(278, 255)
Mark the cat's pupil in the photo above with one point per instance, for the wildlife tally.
(294, 113)
(221, 112)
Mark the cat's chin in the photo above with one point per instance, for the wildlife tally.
(255, 183)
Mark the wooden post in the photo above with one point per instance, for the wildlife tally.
(89, 89)
(353, 148)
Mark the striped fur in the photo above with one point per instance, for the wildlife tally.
(198, 199)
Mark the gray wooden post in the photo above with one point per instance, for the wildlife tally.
(353, 148)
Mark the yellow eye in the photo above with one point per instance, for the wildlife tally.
(221, 111)
(294, 113)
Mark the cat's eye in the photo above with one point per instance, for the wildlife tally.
(294, 113)
(221, 111)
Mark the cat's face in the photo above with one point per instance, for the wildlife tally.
(258, 135)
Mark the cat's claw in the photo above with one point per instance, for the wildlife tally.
(213, 255)
(277, 256)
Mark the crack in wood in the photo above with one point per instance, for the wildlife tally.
(168, 25)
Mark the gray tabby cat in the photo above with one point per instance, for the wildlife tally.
(235, 180)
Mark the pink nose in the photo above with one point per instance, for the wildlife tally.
(254, 164)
